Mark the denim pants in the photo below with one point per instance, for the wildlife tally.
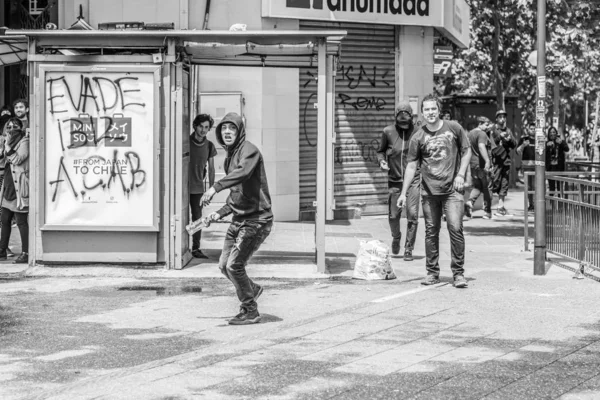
(243, 238)
(196, 209)
(481, 185)
(412, 213)
(433, 207)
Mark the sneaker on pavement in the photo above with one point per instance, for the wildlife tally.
(3, 255)
(258, 290)
(9, 253)
(197, 253)
(501, 212)
(408, 255)
(487, 215)
(430, 280)
(468, 210)
(245, 317)
(22, 259)
(396, 246)
(460, 282)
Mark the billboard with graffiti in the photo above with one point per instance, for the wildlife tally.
(100, 149)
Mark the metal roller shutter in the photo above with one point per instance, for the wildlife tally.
(365, 101)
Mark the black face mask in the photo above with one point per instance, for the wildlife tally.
(403, 121)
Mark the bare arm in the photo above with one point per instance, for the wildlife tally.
(484, 155)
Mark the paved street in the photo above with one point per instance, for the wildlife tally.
(122, 333)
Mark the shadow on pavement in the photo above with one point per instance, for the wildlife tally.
(495, 230)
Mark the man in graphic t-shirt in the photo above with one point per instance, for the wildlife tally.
(202, 153)
(442, 150)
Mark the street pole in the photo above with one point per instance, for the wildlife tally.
(539, 256)
(556, 104)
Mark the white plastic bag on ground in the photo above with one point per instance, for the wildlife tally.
(373, 261)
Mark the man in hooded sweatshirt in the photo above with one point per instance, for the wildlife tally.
(392, 156)
(250, 203)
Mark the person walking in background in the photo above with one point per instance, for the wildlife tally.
(556, 149)
(202, 153)
(481, 167)
(526, 149)
(502, 142)
(250, 203)
(14, 194)
(392, 156)
(442, 151)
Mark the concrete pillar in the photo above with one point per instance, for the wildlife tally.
(415, 62)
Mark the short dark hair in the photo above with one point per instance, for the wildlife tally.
(17, 101)
(202, 118)
(482, 119)
(432, 97)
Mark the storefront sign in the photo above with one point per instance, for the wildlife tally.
(442, 61)
(391, 12)
(100, 149)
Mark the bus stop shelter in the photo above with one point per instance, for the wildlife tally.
(109, 123)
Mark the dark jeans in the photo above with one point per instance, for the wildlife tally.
(196, 208)
(481, 185)
(412, 213)
(499, 183)
(6, 219)
(241, 241)
(433, 207)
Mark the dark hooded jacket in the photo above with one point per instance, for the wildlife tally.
(249, 198)
(393, 148)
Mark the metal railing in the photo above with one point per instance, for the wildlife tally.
(572, 217)
(583, 166)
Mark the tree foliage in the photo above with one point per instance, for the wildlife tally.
(503, 35)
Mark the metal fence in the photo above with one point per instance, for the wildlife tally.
(572, 217)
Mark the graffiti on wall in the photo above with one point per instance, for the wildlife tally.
(99, 146)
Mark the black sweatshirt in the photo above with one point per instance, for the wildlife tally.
(393, 148)
(249, 198)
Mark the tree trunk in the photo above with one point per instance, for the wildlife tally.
(498, 82)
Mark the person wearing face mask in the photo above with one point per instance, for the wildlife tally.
(250, 203)
(202, 153)
(14, 194)
(392, 155)
(556, 149)
(503, 142)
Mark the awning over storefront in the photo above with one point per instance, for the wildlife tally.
(13, 50)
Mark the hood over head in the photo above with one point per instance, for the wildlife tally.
(404, 121)
(239, 123)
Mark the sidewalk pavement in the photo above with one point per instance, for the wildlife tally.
(510, 335)
(289, 251)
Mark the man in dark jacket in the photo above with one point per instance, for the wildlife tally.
(392, 156)
(503, 142)
(250, 203)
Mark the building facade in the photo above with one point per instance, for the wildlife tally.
(386, 57)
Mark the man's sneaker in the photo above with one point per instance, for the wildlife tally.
(501, 212)
(430, 280)
(9, 253)
(487, 215)
(468, 210)
(408, 255)
(197, 253)
(257, 292)
(3, 255)
(22, 259)
(460, 282)
(396, 246)
(530, 209)
(245, 317)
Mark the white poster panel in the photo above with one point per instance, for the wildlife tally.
(99, 149)
(391, 12)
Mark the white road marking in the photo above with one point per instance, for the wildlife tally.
(402, 294)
